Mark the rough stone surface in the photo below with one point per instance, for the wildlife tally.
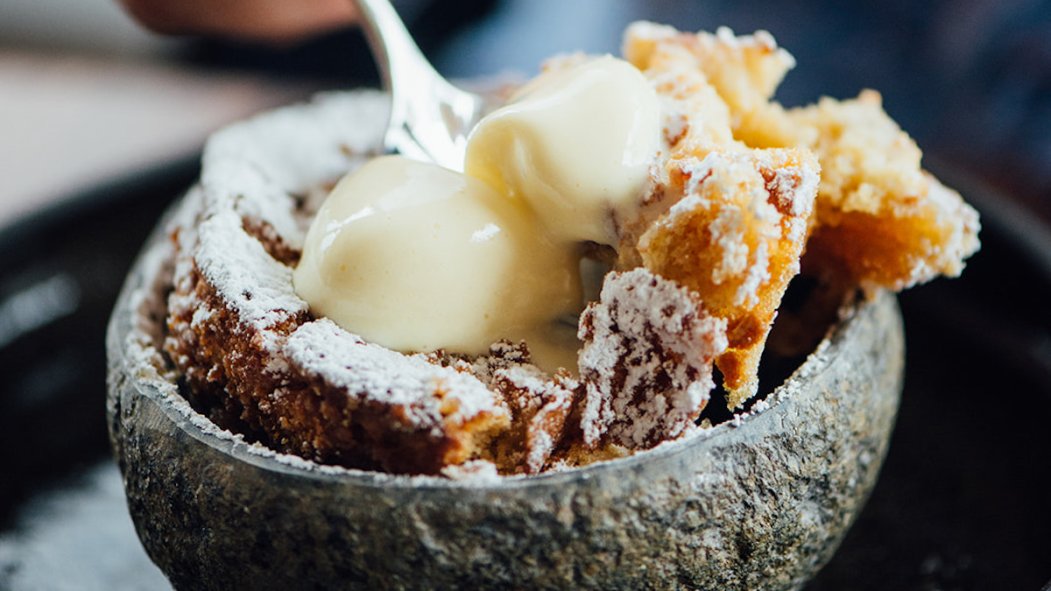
(760, 502)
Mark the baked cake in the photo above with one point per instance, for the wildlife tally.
(742, 193)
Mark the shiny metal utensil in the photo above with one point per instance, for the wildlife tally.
(429, 117)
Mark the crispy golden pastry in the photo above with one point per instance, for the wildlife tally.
(743, 70)
(724, 220)
(881, 220)
(735, 237)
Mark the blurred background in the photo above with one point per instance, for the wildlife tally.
(85, 88)
(101, 123)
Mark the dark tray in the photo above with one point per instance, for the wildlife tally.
(962, 502)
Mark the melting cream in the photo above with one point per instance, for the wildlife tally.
(575, 144)
(415, 257)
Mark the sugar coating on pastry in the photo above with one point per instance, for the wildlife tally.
(434, 398)
(541, 406)
(723, 219)
(744, 70)
(647, 360)
(693, 112)
(734, 236)
(881, 219)
(739, 189)
(878, 220)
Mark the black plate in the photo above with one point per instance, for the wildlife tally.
(962, 502)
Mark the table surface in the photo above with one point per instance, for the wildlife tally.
(71, 121)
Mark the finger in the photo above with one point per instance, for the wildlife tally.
(268, 20)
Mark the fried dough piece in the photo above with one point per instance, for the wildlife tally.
(540, 407)
(693, 112)
(773, 126)
(695, 119)
(724, 220)
(646, 363)
(882, 221)
(744, 70)
(735, 237)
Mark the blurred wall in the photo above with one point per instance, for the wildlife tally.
(93, 25)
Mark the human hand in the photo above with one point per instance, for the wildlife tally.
(263, 20)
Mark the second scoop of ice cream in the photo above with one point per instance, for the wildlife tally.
(416, 257)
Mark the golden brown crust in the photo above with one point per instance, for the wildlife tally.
(878, 220)
(882, 221)
(735, 238)
(295, 412)
(540, 407)
(744, 71)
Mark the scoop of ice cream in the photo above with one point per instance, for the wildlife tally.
(575, 144)
(416, 257)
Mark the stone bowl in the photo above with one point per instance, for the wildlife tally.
(761, 501)
(758, 502)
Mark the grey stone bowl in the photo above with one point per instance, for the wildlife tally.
(760, 502)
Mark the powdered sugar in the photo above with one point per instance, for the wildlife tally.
(475, 472)
(755, 276)
(259, 165)
(792, 187)
(294, 148)
(650, 31)
(647, 360)
(759, 40)
(742, 220)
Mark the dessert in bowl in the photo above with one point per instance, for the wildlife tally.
(274, 430)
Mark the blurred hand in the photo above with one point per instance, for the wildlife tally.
(262, 20)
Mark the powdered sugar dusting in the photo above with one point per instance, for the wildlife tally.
(294, 148)
(726, 186)
(650, 31)
(761, 39)
(260, 164)
(258, 287)
(473, 472)
(647, 360)
(961, 243)
(646, 367)
(544, 402)
(755, 276)
(431, 394)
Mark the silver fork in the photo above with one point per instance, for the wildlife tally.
(429, 117)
